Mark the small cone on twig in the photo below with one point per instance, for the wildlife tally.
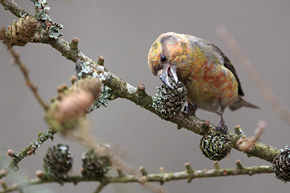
(281, 165)
(58, 161)
(168, 101)
(215, 145)
(96, 162)
(21, 31)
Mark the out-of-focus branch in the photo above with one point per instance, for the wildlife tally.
(269, 95)
(66, 115)
(188, 174)
(25, 73)
(13, 8)
(246, 144)
(19, 33)
(138, 95)
(100, 187)
(29, 150)
(85, 138)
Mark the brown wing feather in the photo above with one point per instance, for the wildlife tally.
(228, 65)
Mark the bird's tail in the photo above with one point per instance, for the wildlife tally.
(242, 103)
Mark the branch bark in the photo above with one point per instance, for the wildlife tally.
(160, 177)
(123, 89)
(138, 96)
(27, 151)
(13, 8)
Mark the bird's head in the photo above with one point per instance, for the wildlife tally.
(166, 53)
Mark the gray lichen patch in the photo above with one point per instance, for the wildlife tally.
(131, 89)
(87, 69)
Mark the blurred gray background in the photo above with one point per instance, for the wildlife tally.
(122, 32)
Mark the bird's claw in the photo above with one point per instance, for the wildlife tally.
(189, 109)
(222, 126)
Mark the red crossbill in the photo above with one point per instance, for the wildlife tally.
(210, 78)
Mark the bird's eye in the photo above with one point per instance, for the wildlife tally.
(163, 58)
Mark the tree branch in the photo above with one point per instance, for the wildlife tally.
(29, 83)
(14, 8)
(138, 95)
(29, 150)
(160, 177)
(100, 187)
(245, 62)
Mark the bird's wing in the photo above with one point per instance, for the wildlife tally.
(228, 65)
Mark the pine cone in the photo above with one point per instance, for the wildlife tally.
(57, 161)
(95, 164)
(215, 145)
(168, 101)
(281, 165)
(22, 30)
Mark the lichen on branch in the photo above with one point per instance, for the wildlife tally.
(117, 88)
(188, 174)
(27, 151)
(122, 89)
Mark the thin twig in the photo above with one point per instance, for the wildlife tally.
(160, 177)
(131, 170)
(85, 138)
(100, 187)
(25, 73)
(29, 150)
(246, 144)
(13, 8)
(245, 62)
(124, 90)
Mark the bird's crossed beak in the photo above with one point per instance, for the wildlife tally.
(168, 72)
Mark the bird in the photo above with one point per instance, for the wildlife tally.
(208, 75)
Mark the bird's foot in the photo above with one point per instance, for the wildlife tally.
(189, 109)
(222, 127)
